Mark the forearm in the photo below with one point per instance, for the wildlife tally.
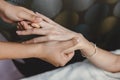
(102, 59)
(15, 50)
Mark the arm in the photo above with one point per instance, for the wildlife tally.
(14, 50)
(101, 58)
(51, 52)
(53, 31)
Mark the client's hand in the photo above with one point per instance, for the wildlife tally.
(51, 31)
(53, 52)
(11, 13)
(54, 32)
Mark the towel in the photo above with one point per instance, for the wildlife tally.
(78, 71)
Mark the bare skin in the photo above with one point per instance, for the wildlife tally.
(52, 52)
(55, 32)
(11, 13)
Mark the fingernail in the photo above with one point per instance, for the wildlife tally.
(18, 32)
(36, 12)
(29, 27)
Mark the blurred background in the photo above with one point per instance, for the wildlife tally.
(97, 20)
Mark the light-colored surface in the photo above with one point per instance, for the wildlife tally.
(78, 71)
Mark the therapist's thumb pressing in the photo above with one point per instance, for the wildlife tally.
(29, 17)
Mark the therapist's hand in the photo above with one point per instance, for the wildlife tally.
(51, 31)
(12, 13)
(53, 52)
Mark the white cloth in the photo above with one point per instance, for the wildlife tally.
(78, 71)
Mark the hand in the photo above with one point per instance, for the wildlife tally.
(53, 52)
(12, 13)
(55, 32)
(25, 25)
(51, 31)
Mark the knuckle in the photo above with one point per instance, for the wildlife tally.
(33, 17)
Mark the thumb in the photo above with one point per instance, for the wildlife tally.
(66, 58)
(27, 16)
(67, 44)
(67, 51)
(73, 48)
(70, 56)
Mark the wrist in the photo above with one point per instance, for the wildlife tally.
(82, 42)
(87, 48)
(36, 50)
(90, 51)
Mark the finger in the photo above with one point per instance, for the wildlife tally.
(43, 39)
(38, 20)
(45, 18)
(67, 58)
(35, 25)
(67, 44)
(25, 25)
(37, 40)
(28, 22)
(58, 37)
(29, 11)
(70, 56)
(71, 49)
(34, 31)
(44, 24)
(20, 26)
(27, 16)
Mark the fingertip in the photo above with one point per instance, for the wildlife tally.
(69, 52)
(18, 32)
(33, 18)
(38, 14)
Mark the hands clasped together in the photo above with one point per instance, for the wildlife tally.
(58, 43)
